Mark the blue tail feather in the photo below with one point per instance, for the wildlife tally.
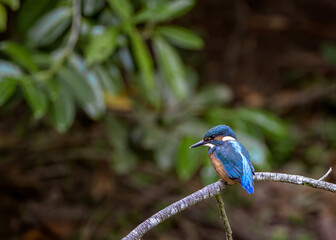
(247, 178)
(248, 187)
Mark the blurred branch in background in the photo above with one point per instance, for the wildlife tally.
(215, 189)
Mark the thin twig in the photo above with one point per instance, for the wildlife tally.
(214, 189)
(326, 175)
(224, 217)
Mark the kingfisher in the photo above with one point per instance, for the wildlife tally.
(229, 157)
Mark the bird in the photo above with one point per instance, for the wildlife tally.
(229, 157)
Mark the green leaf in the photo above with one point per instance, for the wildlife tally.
(101, 45)
(143, 60)
(30, 12)
(8, 69)
(43, 60)
(52, 86)
(123, 8)
(188, 160)
(109, 83)
(19, 54)
(8, 80)
(172, 67)
(164, 12)
(34, 96)
(85, 86)
(91, 7)
(181, 37)
(272, 126)
(50, 27)
(165, 153)
(211, 96)
(3, 18)
(126, 59)
(7, 88)
(257, 149)
(115, 77)
(123, 161)
(117, 133)
(220, 115)
(62, 110)
(13, 4)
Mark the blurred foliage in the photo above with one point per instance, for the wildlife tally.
(127, 62)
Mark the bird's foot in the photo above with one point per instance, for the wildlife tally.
(223, 181)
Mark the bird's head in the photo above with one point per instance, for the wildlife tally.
(216, 136)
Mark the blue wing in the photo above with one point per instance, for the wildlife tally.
(237, 164)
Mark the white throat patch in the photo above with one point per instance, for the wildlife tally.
(228, 138)
(209, 145)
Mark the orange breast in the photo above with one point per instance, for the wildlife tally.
(220, 169)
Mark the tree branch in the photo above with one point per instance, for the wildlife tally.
(214, 189)
(326, 175)
(225, 219)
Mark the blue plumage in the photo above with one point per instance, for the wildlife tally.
(230, 158)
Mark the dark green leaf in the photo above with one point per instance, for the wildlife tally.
(101, 45)
(181, 37)
(51, 26)
(3, 18)
(269, 123)
(62, 110)
(13, 4)
(165, 11)
(52, 87)
(108, 17)
(85, 86)
(172, 67)
(35, 97)
(116, 132)
(152, 137)
(8, 80)
(91, 7)
(143, 60)
(211, 96)
(123, 161)
(19, 54)
(7, 88)
(109, 84)
(115, 76)
(30, 12)
(42, 60)
(126, 60)
(122, 7)
(188, 160)
(218, 115)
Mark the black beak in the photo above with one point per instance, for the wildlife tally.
(200, 143)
